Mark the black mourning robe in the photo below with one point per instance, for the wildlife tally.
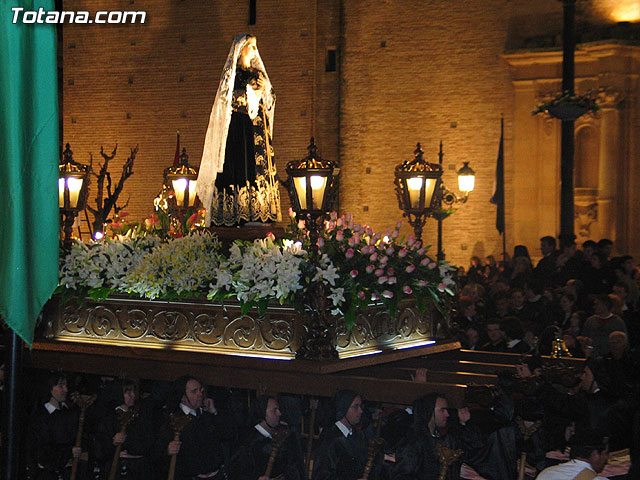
(250, 461)
(338, 457)
(50, 438)
(201, 451)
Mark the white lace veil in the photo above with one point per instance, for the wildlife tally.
(215, 140)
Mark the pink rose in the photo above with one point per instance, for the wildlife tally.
(373, 257)
(379, 272)
(407, 290)
(392, 280)
(410, 268)
(320, 242)
(370, 268)
(349, 253)
(382, 280)
(340, 235)
(403, 253)
(387, 294)
(390, 251)
(361, 295)
(375, 297)
(354, 273)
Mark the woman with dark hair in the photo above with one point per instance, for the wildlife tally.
(566, 309)
(476, 270)
(237, 179)
(128, 428)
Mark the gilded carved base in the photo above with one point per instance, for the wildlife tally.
(202, 326)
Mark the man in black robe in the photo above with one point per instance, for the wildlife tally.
(200, 452)
(342, 448)
(266, 431)
(417, 458)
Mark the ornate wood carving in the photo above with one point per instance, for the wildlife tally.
(199, 325)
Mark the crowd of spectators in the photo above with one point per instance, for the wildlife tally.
(578, 302)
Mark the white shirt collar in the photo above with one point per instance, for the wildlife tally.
(50, 408)
(513, 343)
(188, 410)
(263, 431)
(343, 428)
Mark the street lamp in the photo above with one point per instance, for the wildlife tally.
(73, 183)
(422, 194)
(312, 186)
(466, 179)
(416, 182)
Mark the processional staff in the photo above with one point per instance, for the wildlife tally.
(178, 424)
(83, 402)
(125, 418)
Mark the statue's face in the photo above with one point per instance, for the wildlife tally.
(248, 52)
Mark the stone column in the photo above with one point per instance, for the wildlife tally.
(610, 158)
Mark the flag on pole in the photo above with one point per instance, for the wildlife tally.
(498, 188)
(29, 232)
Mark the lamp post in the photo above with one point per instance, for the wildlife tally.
(445, 197)
(416, 182)
(73, 183)
(312, 190)
(422, 194)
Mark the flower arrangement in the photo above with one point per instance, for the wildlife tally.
(371, 267)
(159, 223)
(355, 266)
(576, 105)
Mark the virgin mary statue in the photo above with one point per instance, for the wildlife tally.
(237, 180)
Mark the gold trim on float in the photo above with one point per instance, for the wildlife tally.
(200, 326)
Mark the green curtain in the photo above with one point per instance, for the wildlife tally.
(29, 224)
